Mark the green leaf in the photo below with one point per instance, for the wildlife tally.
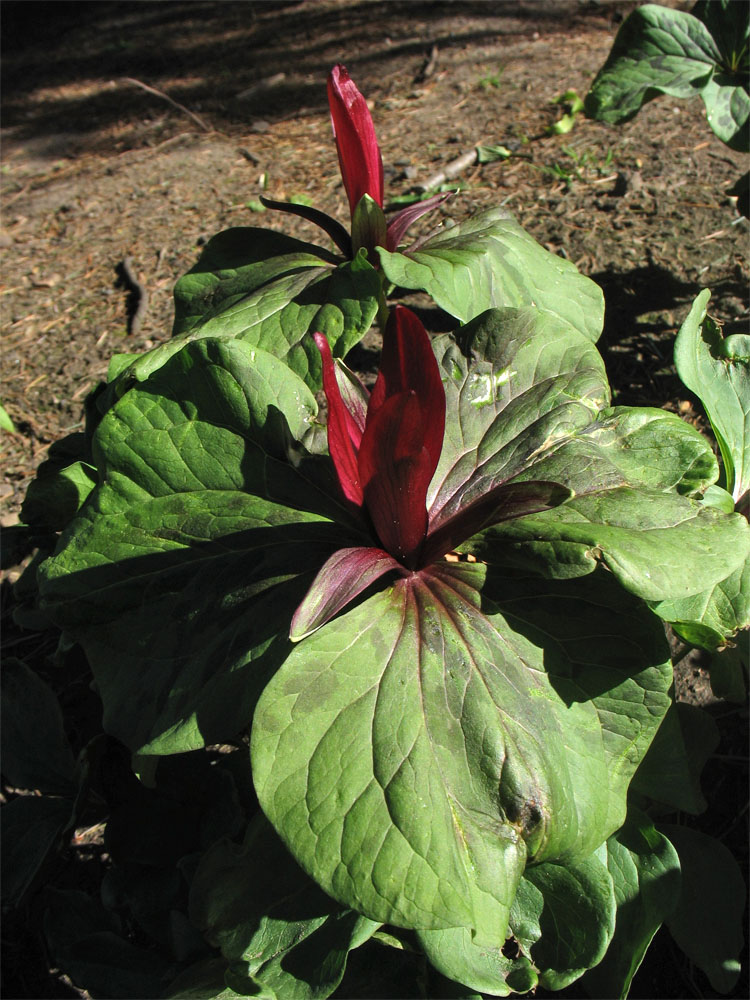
(656, 544)
(519, 382)
(180, 575)
(35, 752)
(6, 424)
(490, 154)
(489, 261)
(84, 941)
(713, 617)
(659, 50)
(530, 396)
(32, 831)
(717, 370)
(707, 921)
(236, 263)
(56, 495)
(531, 401)
(564, 918)
(254, 903)
(602, 649)
(272, 292)
(645, 872)
(434, 699)
(671, 770)
(729, 672)
(728, 110)
(455, 954)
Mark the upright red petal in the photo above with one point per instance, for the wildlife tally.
(395, 470)
(359, 154)
(408, 363)
(344, 434)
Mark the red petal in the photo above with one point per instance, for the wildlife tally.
(359, 154)
(408, 363)
(395, 471)
(342, 578)
(344, 435)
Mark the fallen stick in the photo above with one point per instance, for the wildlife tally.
(451, 170)
(165, 97)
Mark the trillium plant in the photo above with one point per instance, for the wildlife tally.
(390, 687)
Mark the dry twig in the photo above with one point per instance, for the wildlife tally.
(165, 97)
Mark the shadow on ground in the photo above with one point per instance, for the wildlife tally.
(208, 55)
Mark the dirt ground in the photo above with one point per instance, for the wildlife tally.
(138, 130)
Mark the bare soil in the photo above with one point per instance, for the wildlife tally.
(96, 169)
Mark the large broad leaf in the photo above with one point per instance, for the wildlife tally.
(707, 920)
(659, 50)
(717, 370)
(272, 292)
(254, 903)
(234, 264)
(656, 544)
(713, 617)
(645, 872)
(530, 399)
(488, 261)
(416, 752)
(181, 572)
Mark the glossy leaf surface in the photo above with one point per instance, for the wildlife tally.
(489, 261)
(424, 701)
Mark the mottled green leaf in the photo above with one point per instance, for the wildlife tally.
(564, 917)
(660, 50)
(530, 399)
(445, 697)
(717, 370)
(273, 293)
(458, 956)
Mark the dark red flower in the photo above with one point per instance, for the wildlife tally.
(386, 457)
(385, 449)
